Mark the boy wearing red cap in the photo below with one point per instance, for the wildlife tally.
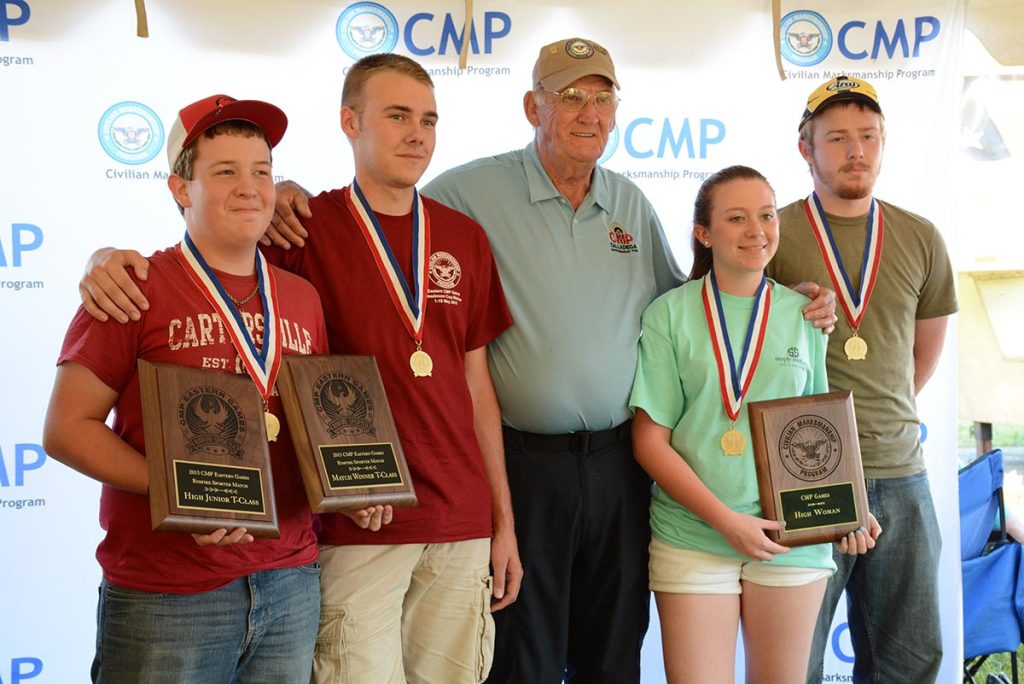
(217, 607)
(408, 594)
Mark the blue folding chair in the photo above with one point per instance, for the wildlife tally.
(991, 565)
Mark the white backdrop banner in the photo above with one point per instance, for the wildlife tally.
(85, 106)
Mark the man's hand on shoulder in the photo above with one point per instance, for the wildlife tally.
(106, 288)
(822, 309)
(286, 227)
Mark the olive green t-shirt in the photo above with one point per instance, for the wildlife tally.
(915, 281)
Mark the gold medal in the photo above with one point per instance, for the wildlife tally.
(733, 443)
(856, 348)
(421, 363)
(273, 426)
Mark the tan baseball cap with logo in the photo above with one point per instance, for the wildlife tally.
(561, 63)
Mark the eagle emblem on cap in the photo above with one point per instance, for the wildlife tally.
(579, 49)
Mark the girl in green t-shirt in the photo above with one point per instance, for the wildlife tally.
(727, 336)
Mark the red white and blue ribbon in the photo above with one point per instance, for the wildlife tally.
(854, 303)
(261, 363)
(410, 299)
(735, 382)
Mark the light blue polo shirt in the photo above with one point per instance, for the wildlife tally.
(577, 282)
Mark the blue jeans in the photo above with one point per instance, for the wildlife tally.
(891, 591)
(259, 628)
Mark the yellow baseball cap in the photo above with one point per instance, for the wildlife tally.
(840, 89)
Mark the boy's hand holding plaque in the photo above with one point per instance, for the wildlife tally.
(809, 471)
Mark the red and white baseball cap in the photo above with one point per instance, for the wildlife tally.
(210, 111)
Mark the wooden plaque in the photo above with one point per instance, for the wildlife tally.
(344, 434)
(207, 451)
(809, 470)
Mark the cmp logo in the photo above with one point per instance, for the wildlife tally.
(7, 20)
(620, 240)
(366, 28)
(22, 669)
(131, 133)
(25, 237)
(806, 38)
(644, 137)
(26, 457)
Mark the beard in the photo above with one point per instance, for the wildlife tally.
(853, 192)
(845, 188)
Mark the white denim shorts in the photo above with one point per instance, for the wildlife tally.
(682, 571)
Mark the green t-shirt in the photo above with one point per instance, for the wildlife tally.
(915, 281)
(677, 384)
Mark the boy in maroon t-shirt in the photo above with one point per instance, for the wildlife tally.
(220, 606)
(406, 593)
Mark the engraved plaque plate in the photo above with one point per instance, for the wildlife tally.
(809, 471)
(207, 451)
(344, 433)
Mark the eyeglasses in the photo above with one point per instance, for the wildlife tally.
(575, 99)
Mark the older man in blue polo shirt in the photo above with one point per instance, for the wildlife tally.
(581, 253)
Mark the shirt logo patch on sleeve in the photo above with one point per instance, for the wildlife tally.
(620, 240)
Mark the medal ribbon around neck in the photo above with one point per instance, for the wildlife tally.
(262, 364)
(410, 302)
(734, 384)
(854, 303)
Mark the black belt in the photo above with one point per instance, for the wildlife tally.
(582, 442)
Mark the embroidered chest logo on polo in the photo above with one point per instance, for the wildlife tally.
(620, 240)
(445, 273)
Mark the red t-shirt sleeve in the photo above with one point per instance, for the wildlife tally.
(109, 349)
